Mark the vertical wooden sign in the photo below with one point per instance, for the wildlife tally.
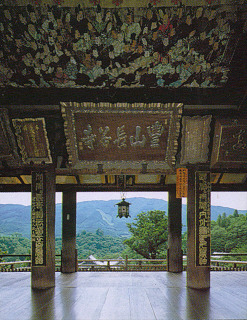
(182, 183)
(202, 211)
(39, 219)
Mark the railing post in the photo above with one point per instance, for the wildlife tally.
(126, 263)
(76, 259)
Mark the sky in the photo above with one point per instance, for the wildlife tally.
(235, 200)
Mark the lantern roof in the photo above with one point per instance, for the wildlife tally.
(123, 203)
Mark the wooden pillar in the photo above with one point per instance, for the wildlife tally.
(174, 252)
(43, 229)
(198, 224)
(69, 256)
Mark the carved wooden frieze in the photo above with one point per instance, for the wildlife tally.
(121, 137)
(230, 143)
(195, 139)
(8, 147)
(32, 140)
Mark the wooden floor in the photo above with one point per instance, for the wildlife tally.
(123, 295)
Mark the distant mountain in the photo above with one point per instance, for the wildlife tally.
(92, 215)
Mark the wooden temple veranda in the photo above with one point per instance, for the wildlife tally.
(123, 96)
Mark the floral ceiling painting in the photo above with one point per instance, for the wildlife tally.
(57, 47)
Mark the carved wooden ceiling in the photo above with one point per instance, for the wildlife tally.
(51, 51)
(61, 47)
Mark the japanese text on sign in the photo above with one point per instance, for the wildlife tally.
(38, 220)
(93, 139)
(182, 183)
(114, 137)
(203, 219)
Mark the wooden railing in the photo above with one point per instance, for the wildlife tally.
(125, 264)
(228, 265)
(122, 265)
(24, 265)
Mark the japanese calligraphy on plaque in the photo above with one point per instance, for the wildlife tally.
(8, 147)
(32, 140)
(203, 219)
(230, 143)
(121, 136)
(182, 183)
(38, 219)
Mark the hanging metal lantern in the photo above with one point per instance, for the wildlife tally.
(123, 209)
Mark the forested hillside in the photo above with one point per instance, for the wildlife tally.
(228, 234)
(92, 215)
(97, 244)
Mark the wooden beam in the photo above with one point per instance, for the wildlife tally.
(189, 96)
(111, 188)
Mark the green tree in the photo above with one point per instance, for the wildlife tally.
(184, 242)
(218, 238)
(149, 233)
(99, 232)
(100, 245)
(2, 252)
(237, 232)
(235, 213)
(219, 220)
(15, 244)
(229, 234)
(223, 220)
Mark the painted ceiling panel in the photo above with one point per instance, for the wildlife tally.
(152, 179)
(65, 47)
(9, 180)
(233, 178)
(92, 179)
(66, 180)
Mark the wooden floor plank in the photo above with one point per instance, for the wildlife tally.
(162, 307)
(140, 306)
(225, 303)
(90, 303)
(117, 305)
(123, 296)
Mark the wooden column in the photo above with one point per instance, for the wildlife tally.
(69, 256)
(198, 224)
(43, 229)
(174, 252)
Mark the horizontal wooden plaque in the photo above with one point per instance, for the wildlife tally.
(32, 140)
(195, 139)
(8, 146)
(230, 143)
(121, 137)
